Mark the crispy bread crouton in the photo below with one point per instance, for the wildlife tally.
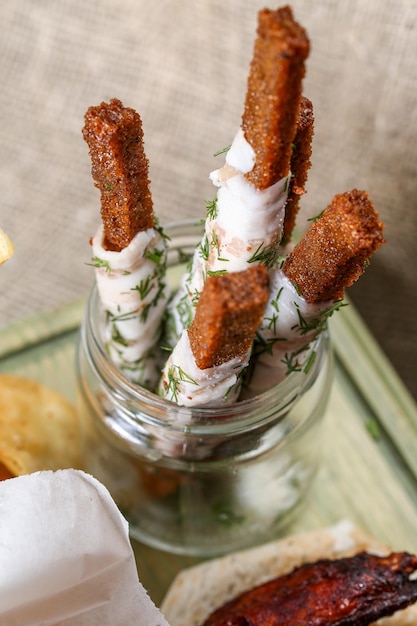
(300, 164)
(120, 171)
(273, 94)
(228, 313)
(334, 251)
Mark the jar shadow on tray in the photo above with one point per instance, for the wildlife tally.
(200, 481)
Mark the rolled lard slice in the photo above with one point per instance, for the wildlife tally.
(283, 339)
(311, 284)
(244, 223)
(129, 248)
(133, 293)
(205, 366)
(243, 227)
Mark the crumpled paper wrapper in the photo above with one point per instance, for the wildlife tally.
(65, 555)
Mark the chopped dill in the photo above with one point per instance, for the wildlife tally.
(117, 337)
(222, 151)
(204, 248)
(175, 376)
(292, 362)
(265, 347)
(264, 254)
(100, 263)
(160, 229)
(144, 287)
(316, 217)
(215, 243)
(211, 209)
(157, 256)
(318, 323)
(216, 272)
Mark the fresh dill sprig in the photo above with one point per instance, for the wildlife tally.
(292, 362)
(144, 287)
(156, 255)
(204, 248)
(175, 376)
(262, 346)
(264, 254)
(316, 217)
(160, 229)
(100, 263)
(222, 151)
(216, 272)
(215, 243)
(195, 297)
(319, 322)
(117, 337)
(211, 209)
(272, 321)
(123, 317)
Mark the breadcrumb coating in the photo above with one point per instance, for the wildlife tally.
(228, 313)
(300, 165)
(273, 94)
(120, 171)
(335, 250)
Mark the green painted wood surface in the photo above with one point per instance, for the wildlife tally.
(369, 479)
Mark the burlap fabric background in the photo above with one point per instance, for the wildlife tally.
(183, 66)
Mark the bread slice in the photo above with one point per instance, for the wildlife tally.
(198, 590)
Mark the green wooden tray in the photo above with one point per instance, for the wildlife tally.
(369, 468)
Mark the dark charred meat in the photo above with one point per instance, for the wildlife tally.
(353, 591)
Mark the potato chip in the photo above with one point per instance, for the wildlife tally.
(6, 247)
(39, 428)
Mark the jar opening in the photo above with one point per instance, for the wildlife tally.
(243, 414)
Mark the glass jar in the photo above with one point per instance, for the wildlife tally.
(200, 481)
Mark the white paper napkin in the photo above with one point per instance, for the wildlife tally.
(65, 555)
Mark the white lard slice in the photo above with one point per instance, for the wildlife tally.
(134, 293)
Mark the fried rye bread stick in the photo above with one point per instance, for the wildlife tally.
(120, 171)
(244, 223)
(228, 313)
(129, 249)
(334, 251)
(204, 367)
(274, 94)
(300, 165)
